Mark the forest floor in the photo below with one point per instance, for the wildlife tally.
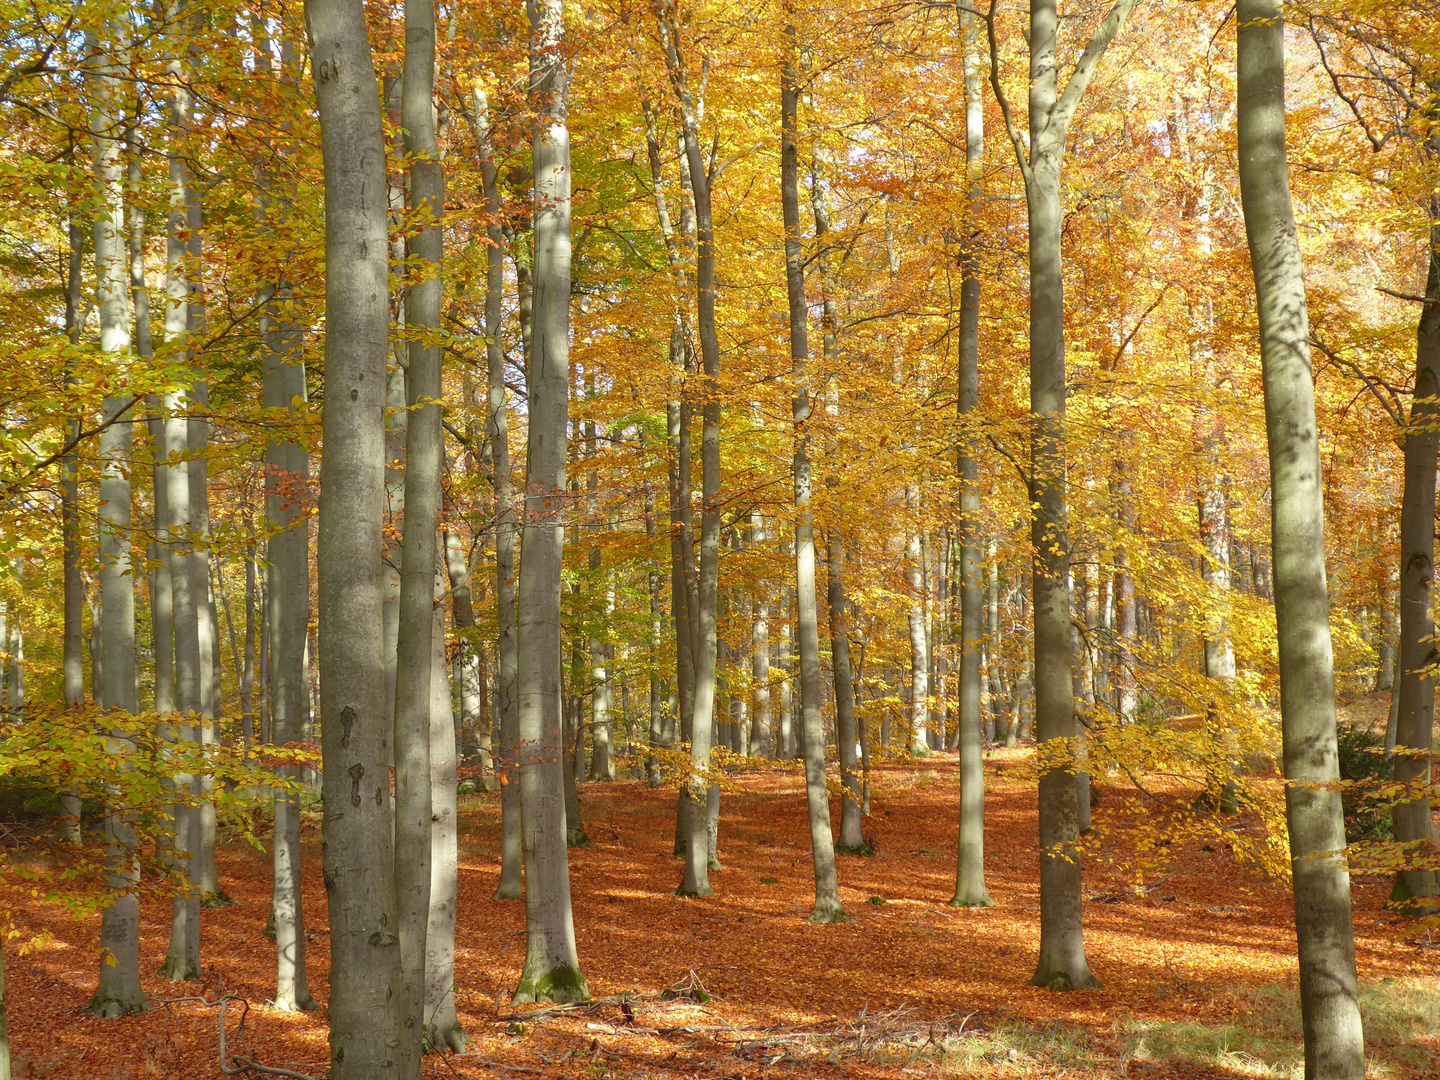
(1198, 970)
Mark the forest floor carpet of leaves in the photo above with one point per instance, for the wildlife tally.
(1198, 974)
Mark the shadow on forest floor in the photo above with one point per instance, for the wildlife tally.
(1197, 968)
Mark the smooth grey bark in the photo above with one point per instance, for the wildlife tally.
(852, 839)
(73, 629)
(1329, 995)
(761, 741)
(470, 689)
(286, 605)
(1062, 964)
(918, 738)
(442, 1026)
(119, 991)
(1415, 889)
(182, 961)
(552, 966)
(197, 439)
(996, 684)
(970, 888)
(285, 596)
(574, 759)
(161, 607)
(397, 422)
(1385, 650)
(424, 458)
(677, 424)
(817, 797)
(355, 727)
(602, 738)
(657, 735)
(785, 733)
(696, 880)
(497, 432)
(247, 663)
(847, 738)
(1126, 622)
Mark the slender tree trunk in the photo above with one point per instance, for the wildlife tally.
(817, 797)
(73, 644)
(704, 645)
(852, 840)
(552, 966)
(1329, 996)
(993, 644)
(1126, 629)
(918, 735)
(424, 456)
(1062, 964)
(247, 663)
(285, 596)
(761, 740)
(442, 1026)
(355, 732)
(469, 659)
(1414, 890)
(677, 411)
(497, 431)
(970, 888)
(182, 961)
(119, 991)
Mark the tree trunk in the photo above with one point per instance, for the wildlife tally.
(182, 961)
(696, 881)
(355, 729)
(852, 839)
(73, 644)
(1329, 996)
(119, 990)
(993, 644)
(847, 739)
(1062, 964)
(1414, 889)
(970, 888)
(285, 596)
(424, 457)
(812, 732)
(918, 735)
(497, 432)
(761, 741)
(442, 1026)
(552, 967)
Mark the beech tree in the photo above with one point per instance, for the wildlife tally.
(1329, 995)
(552, 966)
(355, 736)
(1062, 964)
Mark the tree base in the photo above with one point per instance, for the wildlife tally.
(971, 898)
(562, 986)
(179, 969)
(834, 915)
(109, 1007)
(447, 1035)
(1061, 982)
(508, 890)
(577, 838)
(865, 851)
(220, 899)
(703, 890)
(1404, 900)
(291, 1005)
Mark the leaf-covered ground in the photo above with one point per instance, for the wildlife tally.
(1198, 973)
